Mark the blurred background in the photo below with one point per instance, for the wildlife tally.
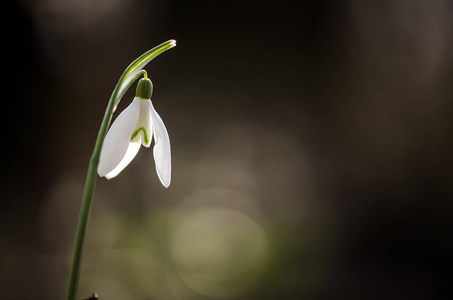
(311, 145)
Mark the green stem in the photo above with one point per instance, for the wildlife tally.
(127, 78)
(85, 209)
(81, 229)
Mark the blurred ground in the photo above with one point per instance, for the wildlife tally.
(311, 145)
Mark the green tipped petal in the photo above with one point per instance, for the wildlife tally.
(145, 135)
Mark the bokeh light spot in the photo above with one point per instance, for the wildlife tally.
(218, 251)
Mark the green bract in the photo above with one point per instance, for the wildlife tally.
(133, 71)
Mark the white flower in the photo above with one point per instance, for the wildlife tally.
(137, 125)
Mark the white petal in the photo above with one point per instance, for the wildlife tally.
(117, 140)
(131, 152)
(143, 130)
(162, 152)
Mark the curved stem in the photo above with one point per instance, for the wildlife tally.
(87, 198)
(81, 230)
(127, 78)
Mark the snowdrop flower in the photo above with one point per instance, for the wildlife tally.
(137, 125)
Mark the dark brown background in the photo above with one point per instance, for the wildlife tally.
(332, 118)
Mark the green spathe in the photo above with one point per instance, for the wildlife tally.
(144, 88)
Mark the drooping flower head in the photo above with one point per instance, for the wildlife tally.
(137, 125)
